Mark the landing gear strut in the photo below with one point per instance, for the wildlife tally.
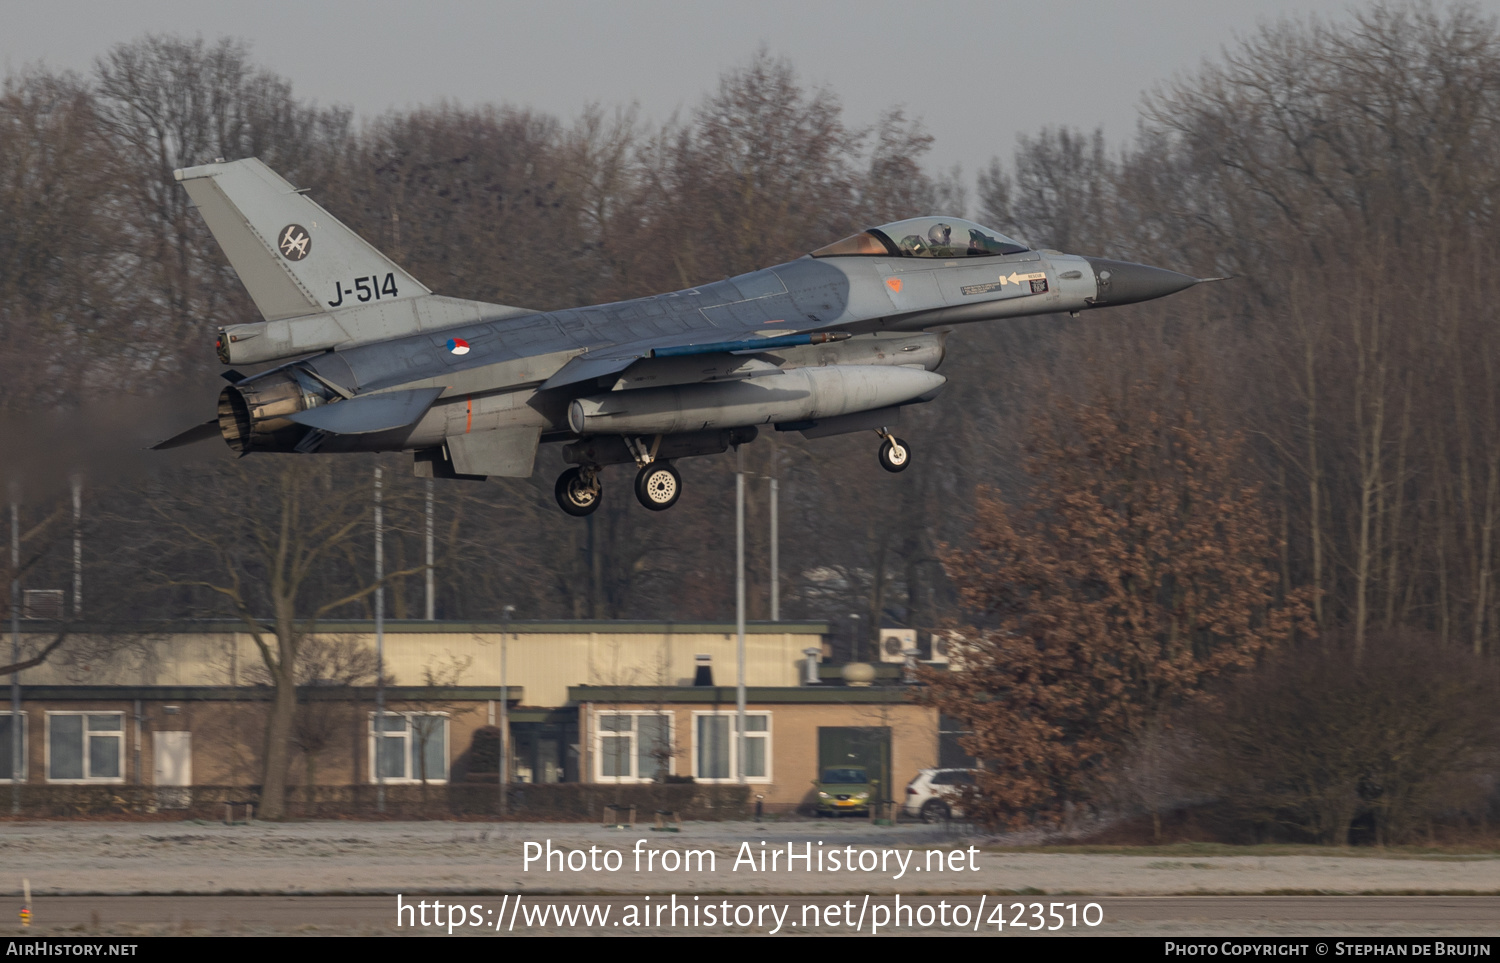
(578, 491)
(657, 486)
(895, 454)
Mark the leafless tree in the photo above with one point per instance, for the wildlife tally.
(266, 560)
(327, 670)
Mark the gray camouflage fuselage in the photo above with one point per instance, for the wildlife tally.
(473, 388)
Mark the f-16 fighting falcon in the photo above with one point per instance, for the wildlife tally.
(837, 341)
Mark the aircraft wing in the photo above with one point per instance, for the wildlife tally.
(592, 365)
(614, 359)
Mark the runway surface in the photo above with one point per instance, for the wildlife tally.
(343, 857)
(1313, 916)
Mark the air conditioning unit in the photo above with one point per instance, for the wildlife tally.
(947, 649)
(895, 642)
(42, 604)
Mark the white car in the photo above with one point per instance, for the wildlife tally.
(933, 795)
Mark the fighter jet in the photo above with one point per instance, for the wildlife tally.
(836, 341)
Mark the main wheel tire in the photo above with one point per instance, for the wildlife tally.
(575, 496)
(935, 811)
(658, 486)
(895, 454)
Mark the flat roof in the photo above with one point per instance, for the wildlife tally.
(725, 694)
(364, 626)
(577, 694)
(264, 693)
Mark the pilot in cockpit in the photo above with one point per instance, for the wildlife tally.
(925, 237)
(915, 245)
(937, 243)
(940, 237)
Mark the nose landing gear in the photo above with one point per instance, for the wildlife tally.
(895, 454)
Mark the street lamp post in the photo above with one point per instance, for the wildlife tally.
(431, 599)
(775, 546)
(739, 611)
(379, 644)
(504, 714)
(17, 747)
(77, 546)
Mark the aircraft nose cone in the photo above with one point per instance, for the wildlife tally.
(1122, 282)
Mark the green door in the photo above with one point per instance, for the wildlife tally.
(868, 746)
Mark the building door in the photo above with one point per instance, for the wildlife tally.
(173, 756)
(867, 746)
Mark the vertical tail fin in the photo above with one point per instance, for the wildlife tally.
(293, 257)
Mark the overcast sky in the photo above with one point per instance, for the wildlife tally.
(976, 73)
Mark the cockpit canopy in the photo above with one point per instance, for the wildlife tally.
(924, 237)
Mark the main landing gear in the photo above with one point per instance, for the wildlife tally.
(895, 454)
(578, 491)
(657, 484)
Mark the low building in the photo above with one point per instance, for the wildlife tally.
(634, 734)
(183, 705)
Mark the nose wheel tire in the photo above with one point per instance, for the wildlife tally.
(895, 454)
(576, 494)
(658, 486)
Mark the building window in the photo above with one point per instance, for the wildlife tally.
(85, 746)
(409, 747)
(7, 733)
(633, 746)
(715, 749)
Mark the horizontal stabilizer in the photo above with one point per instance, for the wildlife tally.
(197, 433)
(370, 413)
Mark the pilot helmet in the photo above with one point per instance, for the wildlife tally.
(941, 235)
